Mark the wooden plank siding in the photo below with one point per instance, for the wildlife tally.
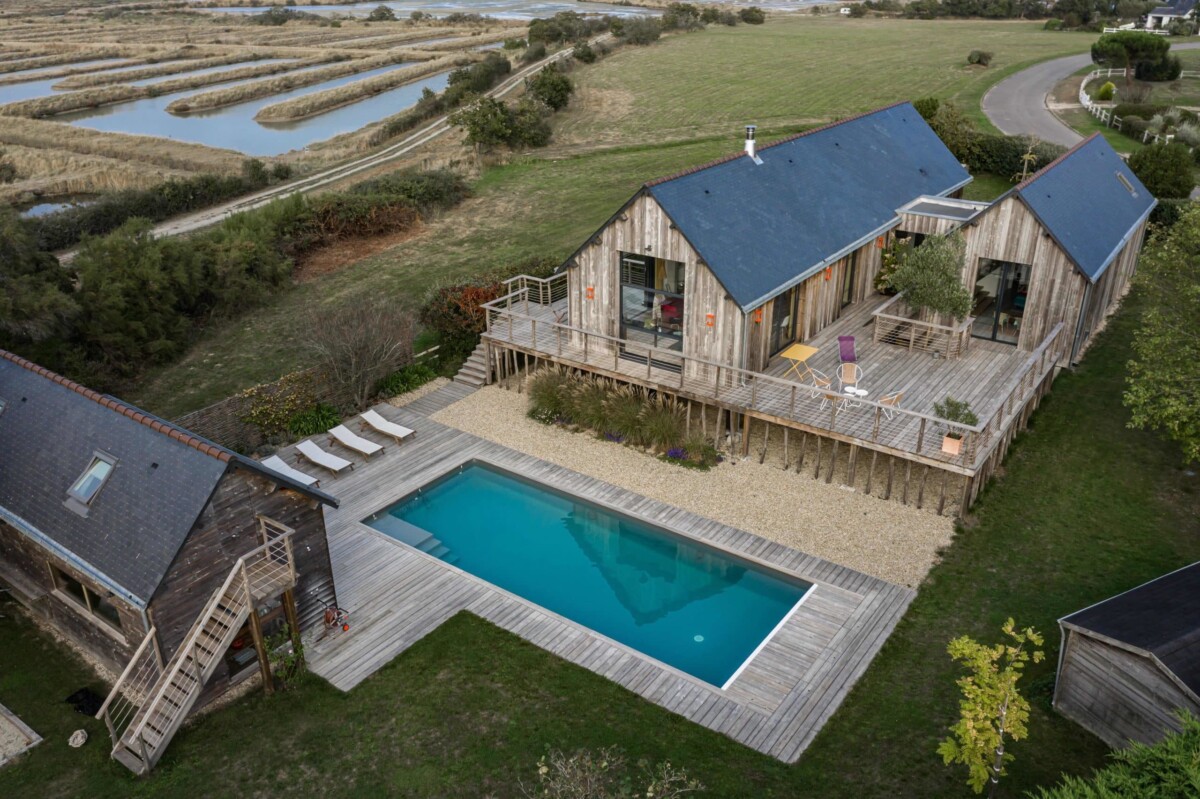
(926, 224)
(1108, 290)
(397, 594)
(643, 228)
(1118, 695)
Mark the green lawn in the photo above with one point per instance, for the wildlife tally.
(695, 89)
(794, 71)
(1086, 508)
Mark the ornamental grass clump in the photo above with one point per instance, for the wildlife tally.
(589, 405)
(550, 396)
(662, 424)
(623, 415)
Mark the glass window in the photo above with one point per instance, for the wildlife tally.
(1001, 289)
(652, 300)
(92, 479)
(89, 600)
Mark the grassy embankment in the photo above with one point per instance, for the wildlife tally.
(1087, 508)
(691, 92)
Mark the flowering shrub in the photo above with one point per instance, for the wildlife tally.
(272, 406)
(604, 774)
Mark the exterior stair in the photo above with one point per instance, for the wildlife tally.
(474, 371)
(150, 701)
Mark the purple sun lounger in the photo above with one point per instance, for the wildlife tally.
(846, 349)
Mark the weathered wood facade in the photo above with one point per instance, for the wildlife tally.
(1129, 664)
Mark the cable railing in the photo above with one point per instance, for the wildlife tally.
(894, 323)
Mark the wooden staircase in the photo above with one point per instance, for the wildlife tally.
(151, 699)
(474, 371)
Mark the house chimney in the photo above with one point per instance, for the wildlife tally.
(750, 149)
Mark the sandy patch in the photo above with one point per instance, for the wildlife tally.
(885, 539)
(15, 737)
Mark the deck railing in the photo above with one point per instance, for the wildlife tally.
(858, 421)
(895, 324)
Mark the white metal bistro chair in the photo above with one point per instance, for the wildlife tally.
(891, 404)
(849, 376)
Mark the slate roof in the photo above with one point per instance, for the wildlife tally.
(1179, 8)
(49, 429)
(1161, 617)
(762, 228)
(1084, 205)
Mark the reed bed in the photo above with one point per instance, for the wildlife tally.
(265, 88)
(320, 102)
(154, 70)
(183, 156)
(475, 39)
(60, 172)
(385, 40)
(58, 59)
(96, 70)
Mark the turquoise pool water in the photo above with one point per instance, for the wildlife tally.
(688, 605)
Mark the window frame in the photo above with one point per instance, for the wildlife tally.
(92, 598)
(74, 495)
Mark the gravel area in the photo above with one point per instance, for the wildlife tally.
(889, 540)
(13, 739)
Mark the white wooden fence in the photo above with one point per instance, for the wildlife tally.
(1106, 115)
(1131, 26)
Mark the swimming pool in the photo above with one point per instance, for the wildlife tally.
(693, 607)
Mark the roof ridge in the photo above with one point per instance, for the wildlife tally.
(734, 156)
(1024, 184)
(141, 417)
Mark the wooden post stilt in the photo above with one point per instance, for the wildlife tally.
(921, 488)
(942, 493)
(762, 455)
(871, 473)
(293, 620)
(853, 464)
(745, 435)
(891, 475)
(817, 471)
(907, 478)
(803, 451)
(260, 646)
(786, 462)
(832, 462)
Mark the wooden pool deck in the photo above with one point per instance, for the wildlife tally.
(396, 594)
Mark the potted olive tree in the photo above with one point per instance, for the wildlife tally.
(930, 276)
(956, 411)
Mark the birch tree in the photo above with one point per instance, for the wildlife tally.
(992, 710)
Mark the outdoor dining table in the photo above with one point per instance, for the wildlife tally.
(797, 354)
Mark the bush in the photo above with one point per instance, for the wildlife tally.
(529, 124)
(858, 11)
(727, 18)
(567, 26)
(408, 379)
(281, 172)
(752, 15)
(981, 57)
(930, 278)
(535, 52)
(927, 107)
(357, 344)
(956, 411)
(382, 14)
(583, 53)
(487, 122)
(314, 421)
(681, 17)
(1168, 212)
(1053, 24)
(1106, 92)
(551, 87)
(696, 452)
(515, 44)
(434, 190)
(640, 30)
(1165, 169)
(710, 14)
(453, 312)
(1143, 110)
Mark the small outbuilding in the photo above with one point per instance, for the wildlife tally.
(1129, 663)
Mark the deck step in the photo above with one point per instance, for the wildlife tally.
(128, 759)
(474, 371)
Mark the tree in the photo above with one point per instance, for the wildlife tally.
(991, 708)
(35, 292)
(551, 86)
(931, 276)
(383, 14)
(1164, 376)
(1164, 169)
(487, 122)
(954, 129)
(360, 344)
(1128, 50)
(1167, 769)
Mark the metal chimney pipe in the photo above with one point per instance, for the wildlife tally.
(750, 148)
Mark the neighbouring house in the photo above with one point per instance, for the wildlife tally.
(1176, 11)
(703, 284)
(1128, 664)
(160, 554)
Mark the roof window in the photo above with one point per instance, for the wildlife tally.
(1125, 182)
(91, 481)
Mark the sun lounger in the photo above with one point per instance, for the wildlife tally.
(351, 440)
(326, 460)
(278, 464)
(380, 425)
(846, 353)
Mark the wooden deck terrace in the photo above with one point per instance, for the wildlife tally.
(396, 594)
(1002, 384)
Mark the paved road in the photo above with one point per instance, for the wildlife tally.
(1017, 104)
(211, 216)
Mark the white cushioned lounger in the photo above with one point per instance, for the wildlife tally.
(380, 425)
(278, 464)
(326, 460)
(348, 438)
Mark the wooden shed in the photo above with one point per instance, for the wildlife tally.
(162, 555)
(1130, 663)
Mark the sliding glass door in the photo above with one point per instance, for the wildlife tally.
(783, 320)
(1001, 288)
(652, 301)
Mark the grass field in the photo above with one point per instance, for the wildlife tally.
(657, 109)
(795, 71)
(1087, 508)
